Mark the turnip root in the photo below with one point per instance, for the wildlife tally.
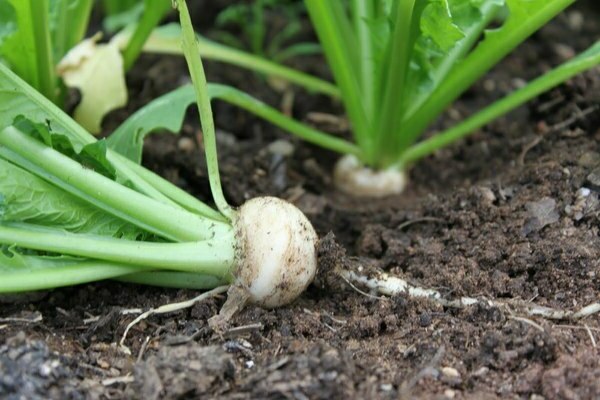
(277, 254)
(353, 178)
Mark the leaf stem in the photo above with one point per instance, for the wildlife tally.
(163, 219)
(338, 41)
(154, 11)
(163, 40)
(215, 257)
(192, 56)
(262, 110)
(398, 53)
(67, 275)
(78, 19)
(39, 109)
(175, 279)
(71, 24)
(363, 13)
(176, 194)
(44, 59)
(583, 61)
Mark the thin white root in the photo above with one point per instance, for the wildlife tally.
(167, 308)
(587, 310)
(392, 286)
(33, 318)
(591, 335)
(118, 379)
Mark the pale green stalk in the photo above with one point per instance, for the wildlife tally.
(398, 53)
(582, 62)
(67, 275)
(339, 45)
(363, 12)
(213, 257)
(240, 99)
(127, 204)
(175, 279)
(192, 56)
(166, 40)
(39, 10)
(38, 108)
(154, 11)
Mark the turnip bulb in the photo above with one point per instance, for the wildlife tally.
(277, 257)
(353, 178)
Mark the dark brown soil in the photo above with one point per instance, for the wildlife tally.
(500, 216)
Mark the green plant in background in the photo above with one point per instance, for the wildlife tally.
(73, 210)
(251, 20)
(397, 66)
(165, 40)
(400, 64)
(36, 34)
(41, 41)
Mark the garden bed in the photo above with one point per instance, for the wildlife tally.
(501, 215)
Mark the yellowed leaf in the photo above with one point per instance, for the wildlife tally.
(97, 71)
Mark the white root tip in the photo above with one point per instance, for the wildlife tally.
(353, 178)
(278, 255)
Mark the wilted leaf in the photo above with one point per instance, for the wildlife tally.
(97, 71)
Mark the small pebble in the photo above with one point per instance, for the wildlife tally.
(489, 85)
(589, 159)
(281, 147)
(225, 139)
(585, 203)
(583, 192)
(186, 144)
(594, 178)
(540, 213)
(195, 365)
(507, 192)
(565, 52)
(449, 393)
(386, 387)
(487, 195)
(481, 372)
(575, 20)
(48, 367)
(425, 320)
(518, 83)
(454, 114)
(450, 372)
